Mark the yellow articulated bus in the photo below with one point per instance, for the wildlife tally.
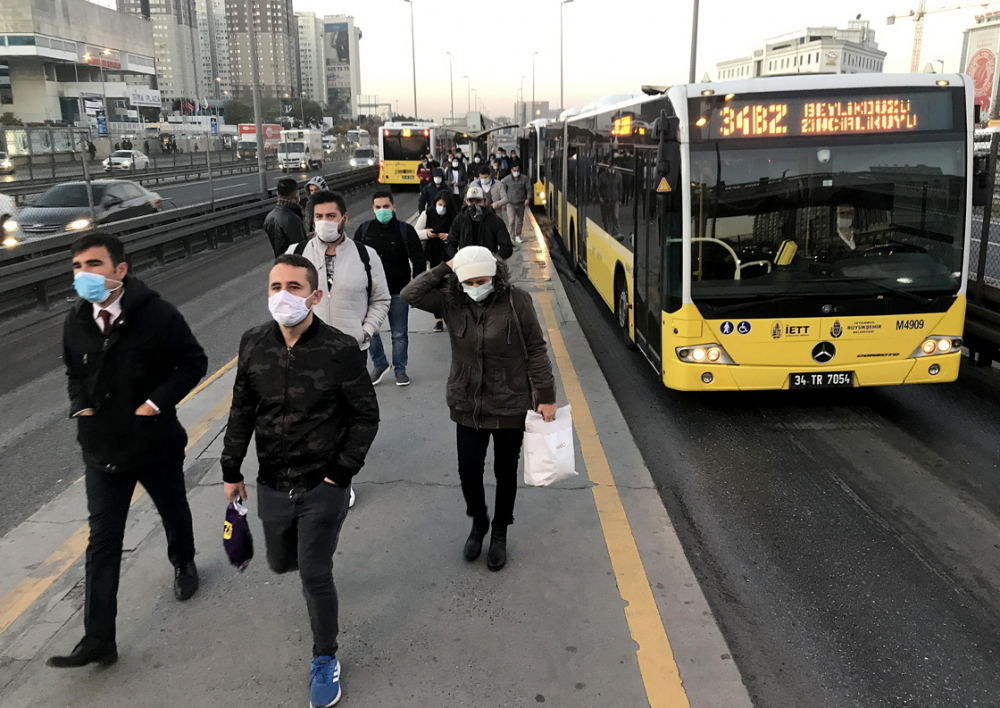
(775, 233)
(402, 146)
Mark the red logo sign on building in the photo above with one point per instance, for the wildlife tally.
(982, 68)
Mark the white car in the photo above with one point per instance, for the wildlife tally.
(8, 210)
(126, 161)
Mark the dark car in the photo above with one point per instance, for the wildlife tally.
(65, 207)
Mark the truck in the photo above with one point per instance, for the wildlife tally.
(246, 146)
(300, 149)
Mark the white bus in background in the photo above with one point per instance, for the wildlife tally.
(358, 137)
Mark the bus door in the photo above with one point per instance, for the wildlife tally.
(647, 270)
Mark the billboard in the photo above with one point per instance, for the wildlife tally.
(980, 62)
(338, 66)
(144, 96)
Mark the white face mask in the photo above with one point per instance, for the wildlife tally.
(514, 173)
(328, 231)
(844, 223)
(287, 309)
(480, 293)
(437, 180)
(440, 210)
(485, 181)
(477, 160)
(454, 163)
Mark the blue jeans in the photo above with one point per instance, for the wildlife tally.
(399, 324)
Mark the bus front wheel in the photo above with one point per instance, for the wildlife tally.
(622, 310)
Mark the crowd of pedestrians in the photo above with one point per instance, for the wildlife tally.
(303, 388)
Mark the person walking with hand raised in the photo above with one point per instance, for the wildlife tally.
(500, 370)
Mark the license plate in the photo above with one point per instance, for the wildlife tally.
(822, 379)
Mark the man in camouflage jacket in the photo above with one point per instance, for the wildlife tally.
(304, 392)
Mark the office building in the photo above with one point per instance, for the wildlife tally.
(214, 75)
(60, 62)
(342, 46)
(312, 56)
(175, 44)
(277, 47)
(814, 50)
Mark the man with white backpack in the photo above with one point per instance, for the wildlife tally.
(355, 291)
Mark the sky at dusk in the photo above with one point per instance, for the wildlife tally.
(610, 47)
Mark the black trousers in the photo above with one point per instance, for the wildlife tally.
(108, 498)
(472, 446)
(301, 530)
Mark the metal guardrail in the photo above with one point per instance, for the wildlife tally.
(36, 273)
(24, 188)
(982, 318)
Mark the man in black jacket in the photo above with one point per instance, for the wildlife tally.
(429, 192)
(402, 255)
(284, 225)
(130, 358)
(479, 225)
(302, 389)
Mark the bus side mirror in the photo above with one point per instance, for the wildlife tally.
(978, 113)
(668, 152)
(981, 192)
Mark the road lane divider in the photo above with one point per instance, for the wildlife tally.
(657, 665)
(34, 585)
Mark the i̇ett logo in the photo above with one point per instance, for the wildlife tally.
(836, 330)
(776, 330)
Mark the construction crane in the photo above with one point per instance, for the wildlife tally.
(918, 32)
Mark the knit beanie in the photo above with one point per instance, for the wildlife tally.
(474, 262)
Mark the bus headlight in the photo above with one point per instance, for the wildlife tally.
(937, 344)
(704, 354)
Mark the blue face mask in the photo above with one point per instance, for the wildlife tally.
(90, 286)
(384, 216)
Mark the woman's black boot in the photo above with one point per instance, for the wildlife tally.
(496, 558)
(474, 545)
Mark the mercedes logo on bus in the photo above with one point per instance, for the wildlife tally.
(824, 352)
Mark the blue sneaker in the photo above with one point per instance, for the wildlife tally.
(324, 690)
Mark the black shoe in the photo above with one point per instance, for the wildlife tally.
(497, 556)
(88, 651)
(185, 581)
(474, 544)
(438, 326)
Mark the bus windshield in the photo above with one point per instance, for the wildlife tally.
(859, 219)
(396, 147)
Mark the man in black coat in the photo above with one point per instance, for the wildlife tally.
(130, 358)
(478, 225)
(429, 192)
(284, 224)
(402, 255)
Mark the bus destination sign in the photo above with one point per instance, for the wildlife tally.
(794, 117)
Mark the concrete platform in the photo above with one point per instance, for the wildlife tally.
(597, 605)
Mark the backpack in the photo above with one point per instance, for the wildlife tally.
(300, 248)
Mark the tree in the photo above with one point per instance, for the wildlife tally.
(8, 118)
(237, 112)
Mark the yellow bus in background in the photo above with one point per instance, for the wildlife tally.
(402, 146)
(775, 233)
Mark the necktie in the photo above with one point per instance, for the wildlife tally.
(105, 322)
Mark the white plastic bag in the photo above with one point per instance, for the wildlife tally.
(548, 448)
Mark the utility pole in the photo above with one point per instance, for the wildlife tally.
(533, 85)
(413, 48)
(694, 43)
(468, 107)
(562, 105)
(451, 83)
(255, 85)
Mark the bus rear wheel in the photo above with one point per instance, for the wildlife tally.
(621, 311)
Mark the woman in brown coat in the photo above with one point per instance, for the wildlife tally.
(500, 369)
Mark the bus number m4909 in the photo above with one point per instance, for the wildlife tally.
(909, 324)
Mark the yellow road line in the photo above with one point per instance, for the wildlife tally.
(208, 382)
(26, 592)
(657, 665)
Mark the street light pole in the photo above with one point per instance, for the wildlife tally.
(302, 107)
(451, 84)
(523, 111)
(476, 96)
(533, 84)
(694, 42)
(255, 88)
(413, 49)
(561, 99)
(468, 107)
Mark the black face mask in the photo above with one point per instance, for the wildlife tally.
(476, 212)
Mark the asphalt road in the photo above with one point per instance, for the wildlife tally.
(39, 457)
(848, 542)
